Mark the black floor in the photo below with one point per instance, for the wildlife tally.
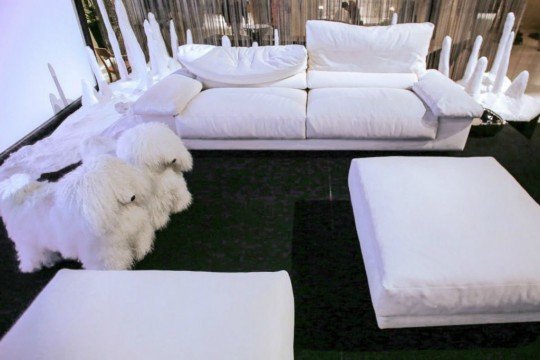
(265, 211)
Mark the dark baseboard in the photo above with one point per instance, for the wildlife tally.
(42, 131)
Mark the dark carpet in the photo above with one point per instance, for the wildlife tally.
(267, 211)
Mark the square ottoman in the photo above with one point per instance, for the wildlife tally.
(157, 315)
(446, 241)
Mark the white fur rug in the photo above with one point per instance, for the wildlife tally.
(61, 148)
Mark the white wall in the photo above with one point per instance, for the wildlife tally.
(32, 34)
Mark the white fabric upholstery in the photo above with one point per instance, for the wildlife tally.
(346, 79)
(400, 48)
(372, 113)
(242, 65)
(444, 97)
(157, 315)
(261, 113)
(446, 240)
(298, 81)
(168, 97)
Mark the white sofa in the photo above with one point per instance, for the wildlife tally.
(351, 87)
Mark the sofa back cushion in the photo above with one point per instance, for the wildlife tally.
(400, 48)
(298, 81)
(242, 65)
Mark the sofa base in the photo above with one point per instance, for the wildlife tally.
(452, 134)
(391, 322)
(316, 144)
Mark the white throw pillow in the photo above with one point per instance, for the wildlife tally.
(400, 48)
(241, 65)
(168, 97)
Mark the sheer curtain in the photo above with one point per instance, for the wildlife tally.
(246, 21)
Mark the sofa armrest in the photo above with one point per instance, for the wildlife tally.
(168, 97)
(444, 97)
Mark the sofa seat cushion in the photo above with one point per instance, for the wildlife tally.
(446, 240)
(368, 114)
(243, 65)
(346, 79)
(257, 113)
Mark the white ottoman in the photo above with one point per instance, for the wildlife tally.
(446, 241)
(157, 315)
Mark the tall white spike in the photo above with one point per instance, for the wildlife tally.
(104, 88)
(122, 69)
(508, 25)
(151, 48)
(94, 65)
(517, 89)
(135, 54)
(276, 37)
(57, 84)
(225, 41)
(174, 40)
(189, 37)
(444, 58)
(89, 95)
(394, 19)
(56, 103)
(475, 84)
(473, 59)
(158, 36)
(159, 63)
(503, 68)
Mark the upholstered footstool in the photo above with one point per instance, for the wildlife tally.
(157, 315)
(446, 241)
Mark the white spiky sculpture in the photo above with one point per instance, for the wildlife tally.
(89, 95)
(474, 85)
(174, 41)
(158, 36)
(189, 37)
(501, 81)
(137, 60)
(159, 63)
(493, 89)
(225, 41)
(501, 49)
(444, 59)
(105, 92)
(276, 37)
(122, 69)
(394, 20)
(473, 60)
